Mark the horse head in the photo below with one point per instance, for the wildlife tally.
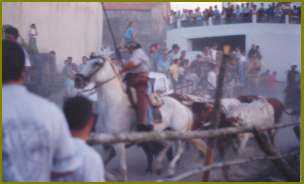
(98, 70)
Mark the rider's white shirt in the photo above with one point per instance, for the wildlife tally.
(141, 60)
(36, 139)
(91, 169)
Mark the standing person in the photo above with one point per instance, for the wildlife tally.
(216, 16)
(292, 90)
(154, 57)
(253, 70)
(206, 55)
(213, 52)
(271, 82)
(173, 53)
(53, 64)
(252, 51)
(137, 69)
(79, 114)
(242, 64)
(129, 34)
(162, 64)
(174, 72)
(84, 62)
(183, 70)
(205, 66)
(33, 33)
(36, 141)
(184, 62)
(212, 79)
(258, 52)
(69, 72)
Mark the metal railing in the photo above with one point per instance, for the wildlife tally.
(201, 21)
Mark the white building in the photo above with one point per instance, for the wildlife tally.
(70, 29)
(279, 43)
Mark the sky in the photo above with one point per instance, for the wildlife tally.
(193, 5)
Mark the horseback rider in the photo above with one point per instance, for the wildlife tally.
(137, 69)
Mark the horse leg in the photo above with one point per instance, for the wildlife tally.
(180, 151)
(271, 135)
(149, 156)
(221, 148)
(110, 154)
(244, 140)
(122, 154)
(200, 145)
(161, 156)
(170, 154)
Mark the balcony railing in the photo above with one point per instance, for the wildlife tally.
(200, 21)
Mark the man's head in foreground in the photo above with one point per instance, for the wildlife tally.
(13, 62)
(79, 114)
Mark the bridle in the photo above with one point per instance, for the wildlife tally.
(86, 79)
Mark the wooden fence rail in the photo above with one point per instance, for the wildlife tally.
(135, 137)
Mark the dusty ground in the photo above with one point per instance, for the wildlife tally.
(255, 171)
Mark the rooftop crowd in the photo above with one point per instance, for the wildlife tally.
(237, 13)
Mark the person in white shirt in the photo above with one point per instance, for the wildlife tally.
(79, 114)
(212, 79)
(33, 33)
(36, 141)
(213, 52)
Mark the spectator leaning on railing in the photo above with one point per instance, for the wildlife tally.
(235, 13)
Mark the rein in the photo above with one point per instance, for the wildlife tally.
(104, 82)
(99, 84)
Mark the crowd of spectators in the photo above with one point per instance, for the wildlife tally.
(237, 13)
(243, 71)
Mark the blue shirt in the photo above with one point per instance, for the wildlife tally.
(162, 65)
(128, 35)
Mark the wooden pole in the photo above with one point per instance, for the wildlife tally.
(136, 137)
(215, 119)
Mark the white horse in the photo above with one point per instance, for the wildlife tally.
(117, 116)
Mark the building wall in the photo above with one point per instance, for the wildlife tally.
(70, 29)
(149, 21)
(279, 43)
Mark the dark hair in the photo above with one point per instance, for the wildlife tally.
(10, 30)
(77, 111)
(52, 52)
(175, 46)
(134, 45)
(13, 60)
